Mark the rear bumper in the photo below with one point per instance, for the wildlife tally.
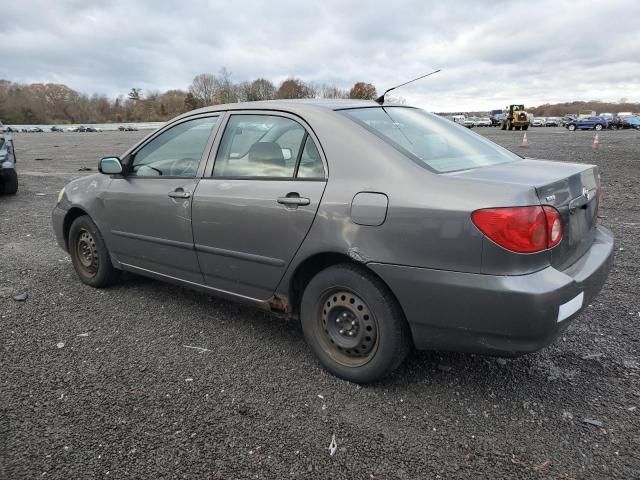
(499, 315)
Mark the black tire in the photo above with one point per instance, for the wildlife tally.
(517, 128)
(503, 126)
(89, 254)
(353, 324)
(509, 126)
(526, 127)
(598, 127)
(571, 128)
(9, 181)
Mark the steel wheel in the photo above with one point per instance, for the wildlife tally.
(346, 328)
(87, 253)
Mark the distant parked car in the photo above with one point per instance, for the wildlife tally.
(630, 122)
(8, 175)
(538, 122)
(90, 129)
(72, 129)
(56, 129)
(36, 130)
(552, 122)
(469, 122)
(482, 122)
(591, 123)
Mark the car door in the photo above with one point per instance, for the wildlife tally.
(257, 201)
(148, 209)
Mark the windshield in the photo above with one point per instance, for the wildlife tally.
(431, 141)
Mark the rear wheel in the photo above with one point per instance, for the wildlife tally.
(598, 127)
(9, 181)
(517, 128)
(354, 324)
(89, 254)
(526, 127)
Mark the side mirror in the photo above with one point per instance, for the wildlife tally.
(110, 166)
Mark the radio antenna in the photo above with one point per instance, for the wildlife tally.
(380, 99)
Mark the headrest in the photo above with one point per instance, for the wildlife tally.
(268, 153)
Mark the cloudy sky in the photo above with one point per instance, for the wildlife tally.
(491, 53)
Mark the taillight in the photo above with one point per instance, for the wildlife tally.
(521, 229)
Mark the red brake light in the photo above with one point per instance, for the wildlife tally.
(521, 229)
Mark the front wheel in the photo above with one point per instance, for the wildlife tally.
(598, 127)
(9, 182)
(89, 254)
(353, 324)
(571, 128)
(525, 127)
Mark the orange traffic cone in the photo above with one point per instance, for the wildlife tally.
(525, 142)
(596, 143)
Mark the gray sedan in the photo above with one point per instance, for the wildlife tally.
(379, 228)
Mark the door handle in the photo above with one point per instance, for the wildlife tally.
(179, 193)
(293, 201)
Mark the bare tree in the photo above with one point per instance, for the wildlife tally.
(330, 91)
(225, 90)
(262, 89)
(203, 89)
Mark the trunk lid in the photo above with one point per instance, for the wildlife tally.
(569, 187)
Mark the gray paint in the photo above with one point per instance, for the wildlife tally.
(369, 208)
(233, 238)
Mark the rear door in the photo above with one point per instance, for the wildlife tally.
(257, 201)
(148, 212)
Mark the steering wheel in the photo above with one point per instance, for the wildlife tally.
(183, 167)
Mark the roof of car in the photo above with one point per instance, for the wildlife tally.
(292, 105)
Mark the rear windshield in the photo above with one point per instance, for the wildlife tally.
(431, 141)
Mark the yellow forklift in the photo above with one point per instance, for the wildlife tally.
(516, 117)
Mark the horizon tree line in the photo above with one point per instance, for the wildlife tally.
(51, 103)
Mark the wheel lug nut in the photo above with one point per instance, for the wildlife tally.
(342, 331)
(353, 322)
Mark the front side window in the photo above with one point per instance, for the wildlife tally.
(175, 152)
(263, 146)
(431, 141)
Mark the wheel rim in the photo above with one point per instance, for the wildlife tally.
(347, 328)
(87, 254)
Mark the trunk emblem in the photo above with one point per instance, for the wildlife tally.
(585, 193)
(550, 198)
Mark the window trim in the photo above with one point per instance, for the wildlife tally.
(207, 174)
(128, 161)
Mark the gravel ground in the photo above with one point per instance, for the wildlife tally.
(105, 384)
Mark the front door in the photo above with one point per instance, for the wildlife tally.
(254, 209)
(148, 211)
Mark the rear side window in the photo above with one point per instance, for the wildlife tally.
(433, 142)
(266, 146)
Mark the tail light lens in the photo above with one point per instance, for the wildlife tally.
(521, 229)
